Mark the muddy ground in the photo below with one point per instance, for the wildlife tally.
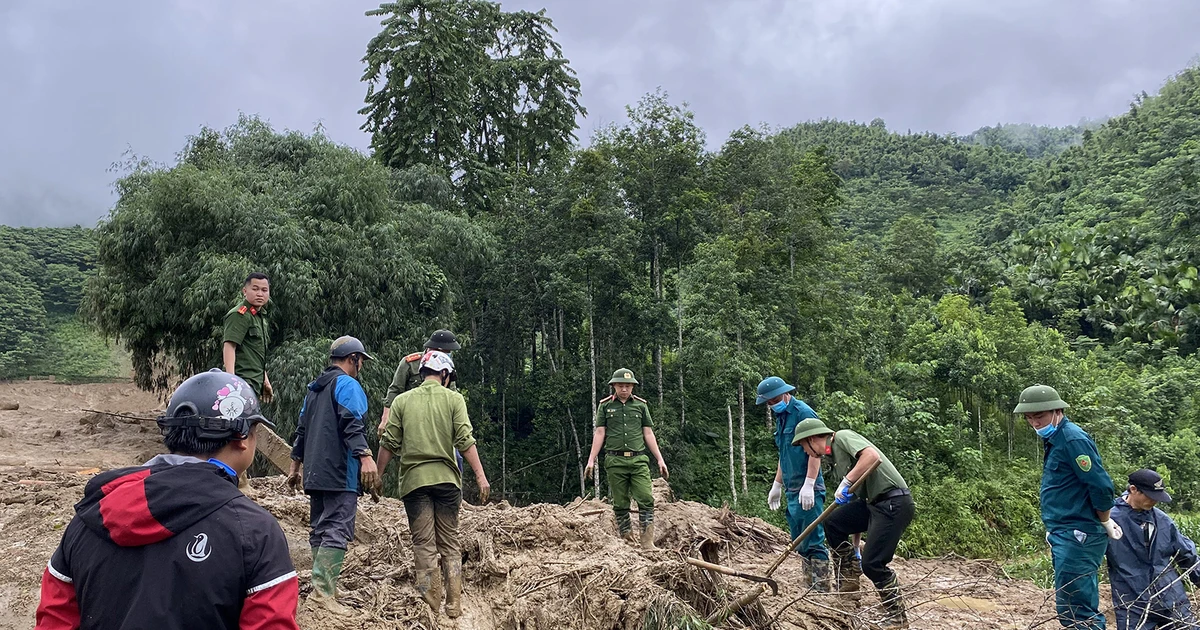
(537, 567)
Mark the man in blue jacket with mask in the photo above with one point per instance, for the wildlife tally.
(1076, 497)
(798, 477)
(1144, 566)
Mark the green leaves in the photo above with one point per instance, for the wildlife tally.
(343, 255)
(463, 86)
(42, 272)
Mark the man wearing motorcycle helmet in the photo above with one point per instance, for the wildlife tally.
(173, 543)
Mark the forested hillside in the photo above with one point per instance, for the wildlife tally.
(909, 284)
(1034, 141)
(889, 175)
(42, 273)
(1102, 240)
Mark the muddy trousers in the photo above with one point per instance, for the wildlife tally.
(629, 477)
(433, 522)
(884, 523)
(331, 516)
(1077, 557)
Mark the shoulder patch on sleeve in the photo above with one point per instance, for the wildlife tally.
(243, 309)
(636, 397)
(1084, 462)
(416, 356)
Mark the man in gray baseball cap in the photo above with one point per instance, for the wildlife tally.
(332, 461)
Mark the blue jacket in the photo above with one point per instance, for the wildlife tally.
(1138, 570)
(1074, 483)
(331, 435)
(793, 461)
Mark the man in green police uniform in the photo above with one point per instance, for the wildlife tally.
(1076, 497)
(883, 509)
(408, 373)
(624, 429)
(247, 333)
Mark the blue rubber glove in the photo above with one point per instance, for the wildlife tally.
(843, 494)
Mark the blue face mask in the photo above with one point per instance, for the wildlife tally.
(780, 406)
(1046, 431)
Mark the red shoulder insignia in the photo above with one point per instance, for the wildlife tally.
(604, 400)
(416, 356)
(636, 397)
(243, 309)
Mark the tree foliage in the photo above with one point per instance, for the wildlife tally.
(909, 285)
(42, 272)
(319, 218)
(469, 88)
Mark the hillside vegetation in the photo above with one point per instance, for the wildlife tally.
(910, 285)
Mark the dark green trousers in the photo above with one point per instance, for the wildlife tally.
(629, 477)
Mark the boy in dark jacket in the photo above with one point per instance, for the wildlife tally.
(1145, 564)
(173, 543)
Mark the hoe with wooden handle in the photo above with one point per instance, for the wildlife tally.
(756, 592)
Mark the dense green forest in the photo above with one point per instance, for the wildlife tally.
(42, 273)
(909, 284)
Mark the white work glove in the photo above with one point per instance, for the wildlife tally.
(807, 497)
(1114, 530)
(775, 495)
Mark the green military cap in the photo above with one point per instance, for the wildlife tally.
(623, 375)
(1039, 398)
(442, 340)
(808, 428)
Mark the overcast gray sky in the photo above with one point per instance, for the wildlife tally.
(83, 81)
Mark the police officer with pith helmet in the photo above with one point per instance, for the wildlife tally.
(1076, 497)
(624, 429)
(408, 373)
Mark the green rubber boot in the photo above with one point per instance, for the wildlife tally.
(327, 566)
(848, 572)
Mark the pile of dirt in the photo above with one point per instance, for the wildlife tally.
(545, 566)
(552, 566)
(525, 568)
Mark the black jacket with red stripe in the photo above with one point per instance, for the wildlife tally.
(173, 544)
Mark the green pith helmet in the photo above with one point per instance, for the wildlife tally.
(1039, 398)
(808, 428)
(442, 340)
(623, 376)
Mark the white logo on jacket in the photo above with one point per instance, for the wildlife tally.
(199, 550)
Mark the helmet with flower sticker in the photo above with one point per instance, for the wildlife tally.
(218, 405)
